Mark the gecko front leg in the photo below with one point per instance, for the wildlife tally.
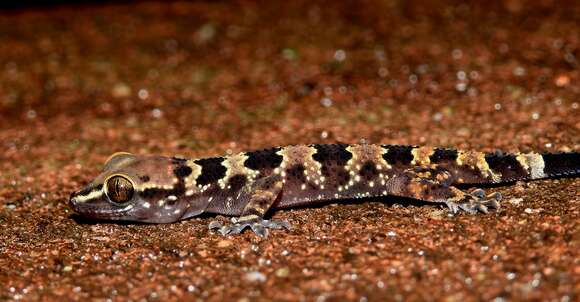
(262, 194)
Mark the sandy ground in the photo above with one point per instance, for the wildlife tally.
(78, 83)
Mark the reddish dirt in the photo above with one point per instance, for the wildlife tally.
(78, 83)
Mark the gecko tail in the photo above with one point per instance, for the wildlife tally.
(564, 164)
(526, 166)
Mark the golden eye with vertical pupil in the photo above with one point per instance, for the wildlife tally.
(119, 189)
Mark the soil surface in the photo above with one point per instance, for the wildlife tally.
(78, 83)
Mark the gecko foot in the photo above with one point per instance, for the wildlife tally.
(258, 225)
(475, 202)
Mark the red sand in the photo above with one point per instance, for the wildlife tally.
(196, 79)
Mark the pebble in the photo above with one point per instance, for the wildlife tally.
(562, 80)
(121, 90)
(224, 243)
(516, 201)
(255, 277)
(282, 272)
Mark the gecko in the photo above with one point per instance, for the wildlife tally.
(249, 185)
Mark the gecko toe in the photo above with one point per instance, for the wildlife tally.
(495, 196)
(481, 208)
(225, 230)
(259, 229)
(214, 225)
(233, 229)
(493, 203)
(276, 224)
(259, 226)
(478, 194)
(468, 207)
(452, 206)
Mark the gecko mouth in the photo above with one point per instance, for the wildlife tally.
(103, 214)
(98, 211)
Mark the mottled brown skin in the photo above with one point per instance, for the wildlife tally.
(160, 189)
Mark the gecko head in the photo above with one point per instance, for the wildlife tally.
(135, 188)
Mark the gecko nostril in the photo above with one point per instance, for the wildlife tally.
(72, 201)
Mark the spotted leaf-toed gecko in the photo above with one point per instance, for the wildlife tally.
(157, 189)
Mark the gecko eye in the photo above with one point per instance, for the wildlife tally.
(119, 189)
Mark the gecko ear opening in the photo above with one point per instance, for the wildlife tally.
(117, 159)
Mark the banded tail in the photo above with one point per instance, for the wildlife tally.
(475, 167)
(561, 164)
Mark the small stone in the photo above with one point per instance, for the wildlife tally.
(224, 243)
(121, 90)
(340, 55)
(463, 132)
(205, 33)
(282, 272)
(156, 113)
(437, 214)
(562, 80)
(438, 116)
(326, 102)
(516, 201)
(289, 54)
(202, 253)
(143, 94)
(31, 114)
(255, 276)
(519, 71)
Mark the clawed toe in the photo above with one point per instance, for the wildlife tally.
(276, 224)
(214, 225)
(473, 207)
(478, 193)
(496, 196)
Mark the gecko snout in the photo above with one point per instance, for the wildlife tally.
(72, 202)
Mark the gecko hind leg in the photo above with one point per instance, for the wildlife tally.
(435, 185)
(262, 194)
(473, 202)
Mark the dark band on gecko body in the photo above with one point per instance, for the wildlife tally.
(398, 155)
(212, 170)
(442, 155)
(368, 171)
(296, 172)
(337, 153)
(263, 159)
(182, 171)
(505, 165)
(237, 182)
